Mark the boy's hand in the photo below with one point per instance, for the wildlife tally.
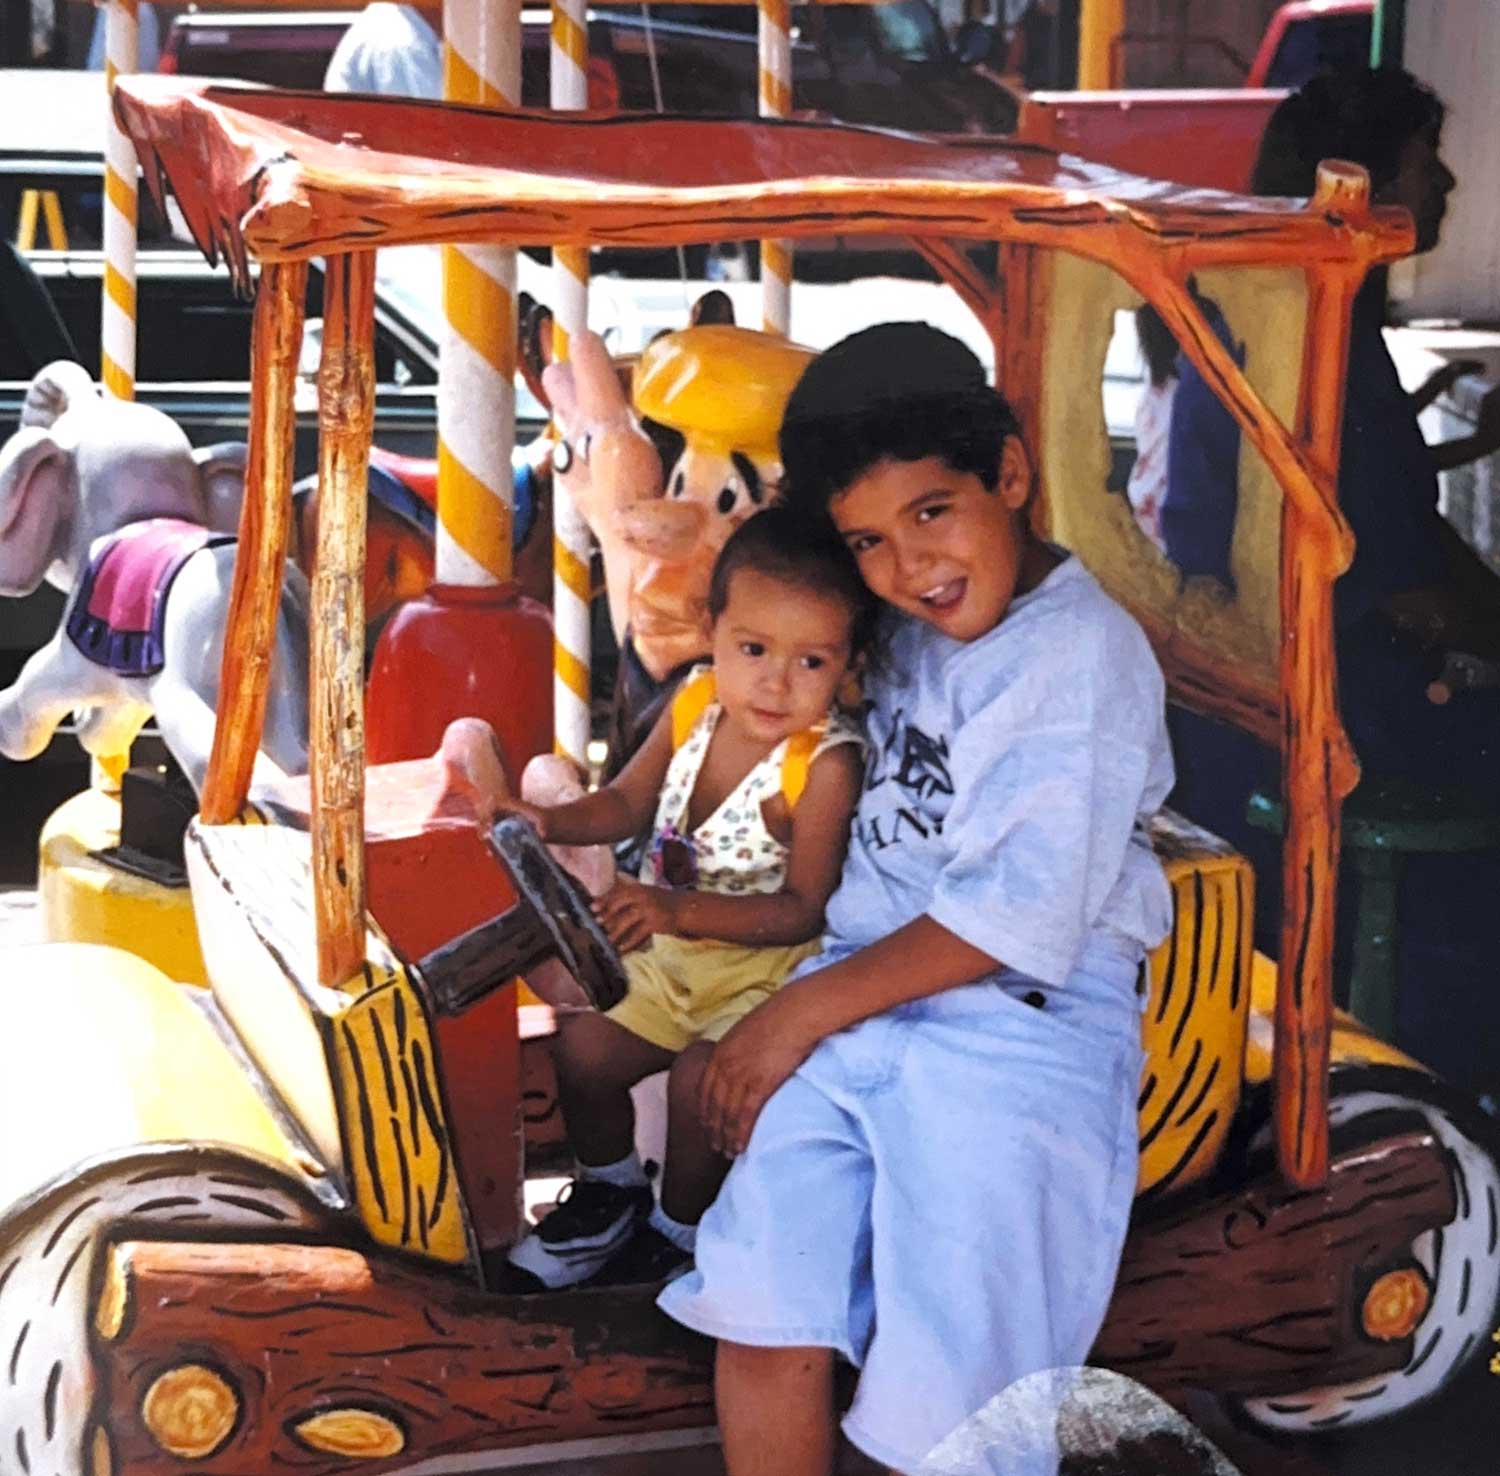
(630, 913)
(757, 1055)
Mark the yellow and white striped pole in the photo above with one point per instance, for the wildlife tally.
(776, 102)
(571, 551)
(476, 385)
(117, 323)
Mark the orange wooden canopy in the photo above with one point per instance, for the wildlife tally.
(288, 176)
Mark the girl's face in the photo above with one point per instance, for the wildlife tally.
(779, 652)
(937, 544)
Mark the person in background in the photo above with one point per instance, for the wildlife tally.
(1147, 483)
(388, 49)
(1200, 500)
(148, 44)
(1414, 597)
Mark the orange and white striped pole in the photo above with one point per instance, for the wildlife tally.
(571, 547)
(776, 102)
(476, 385)
(117, 321)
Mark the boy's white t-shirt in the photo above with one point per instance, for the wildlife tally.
(1007, 782)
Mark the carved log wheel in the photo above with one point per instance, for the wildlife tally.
(346, 400)
(1204, 1298)
(245, 675)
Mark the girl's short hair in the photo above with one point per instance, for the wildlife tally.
(900, 391)
(1365, 114)
(781, 544)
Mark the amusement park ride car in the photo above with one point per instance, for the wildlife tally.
(254, 1225)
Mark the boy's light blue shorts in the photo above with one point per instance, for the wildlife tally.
(940, 1194)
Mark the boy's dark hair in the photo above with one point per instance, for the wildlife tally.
(1365, 114)
(779, 542)
(902, 391)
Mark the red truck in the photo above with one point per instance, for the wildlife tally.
(1204, 136)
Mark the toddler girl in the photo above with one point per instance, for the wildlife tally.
(752, 774)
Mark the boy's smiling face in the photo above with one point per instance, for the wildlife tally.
(937, 544)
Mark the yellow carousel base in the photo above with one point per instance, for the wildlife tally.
(85, 900)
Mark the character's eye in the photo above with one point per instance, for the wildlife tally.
(726, 499)
(679, 484)
(562, 458)
(752, 648)
(862, 543)
(583, 448)
(757, 496)
(814, 663)
(931, 511)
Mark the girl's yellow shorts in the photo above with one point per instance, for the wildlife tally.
(688, 989)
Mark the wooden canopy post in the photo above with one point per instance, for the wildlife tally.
(346, 413)
(245, 670)
(1318, 766)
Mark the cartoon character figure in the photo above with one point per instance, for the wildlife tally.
(722, 391)
(713, 394)
(109, 502)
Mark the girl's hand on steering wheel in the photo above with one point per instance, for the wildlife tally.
(631, 913)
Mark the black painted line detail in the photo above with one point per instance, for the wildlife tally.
(67, 1220)
(49, 1399)
(366, 1124)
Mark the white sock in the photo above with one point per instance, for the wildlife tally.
(628, 1173)
(684, 1237)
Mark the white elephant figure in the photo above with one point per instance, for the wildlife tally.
(108, 501)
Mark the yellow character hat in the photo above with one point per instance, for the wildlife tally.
(724, 388)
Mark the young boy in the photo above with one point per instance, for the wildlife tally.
(943, 1152)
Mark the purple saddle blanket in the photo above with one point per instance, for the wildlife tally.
(118, 611)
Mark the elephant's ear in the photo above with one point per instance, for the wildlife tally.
(33, 459)
(36, 469)
(221, 473)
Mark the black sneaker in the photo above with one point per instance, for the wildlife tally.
(647, 1257)
(591, 1222)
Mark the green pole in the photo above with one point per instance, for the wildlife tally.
(1388, 36)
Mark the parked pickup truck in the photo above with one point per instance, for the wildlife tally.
(1205, 136)
(890, 64)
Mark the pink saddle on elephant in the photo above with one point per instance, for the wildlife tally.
(119, 608)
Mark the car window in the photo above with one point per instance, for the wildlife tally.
(192, 329)
(1320, 44)
(909, 31)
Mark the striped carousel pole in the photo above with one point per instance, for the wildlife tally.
(117, 308)
(470, 646)
(476, 385)
(776, 102)
(117, 325)
(571, 549)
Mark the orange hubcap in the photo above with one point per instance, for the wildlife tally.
(1395, 1304)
